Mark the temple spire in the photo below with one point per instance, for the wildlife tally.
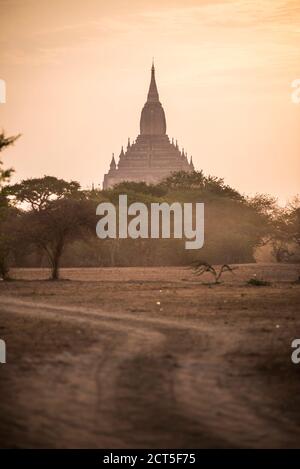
(192, 164)
(121, 153)
(113, 162)
(153, 120)
(153, 93)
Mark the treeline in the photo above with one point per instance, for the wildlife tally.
(51, 222)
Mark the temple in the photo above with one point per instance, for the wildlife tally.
(151, 157)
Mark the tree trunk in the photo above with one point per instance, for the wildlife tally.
(4, 270)
(56, 260)
(55, 272)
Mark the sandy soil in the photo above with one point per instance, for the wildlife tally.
(151, 358)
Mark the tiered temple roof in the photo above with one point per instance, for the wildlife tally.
(152, 156)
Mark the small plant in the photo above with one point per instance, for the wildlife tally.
(256, 282)
(297, 281)
(201, 267)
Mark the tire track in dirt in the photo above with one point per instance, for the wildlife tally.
(159, 385)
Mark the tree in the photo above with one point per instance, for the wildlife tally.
(5, 174)
(57, 224)
(38, 192)
(264, 204)
(184, 180)
(7, 141)
(7, 214)
(217, 187)
(293, 220)
(284, 235)
(279, 237)
(267, 213)
(8, 238)
(155, 190)
(207, 185)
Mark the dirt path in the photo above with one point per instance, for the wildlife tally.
(141, 382)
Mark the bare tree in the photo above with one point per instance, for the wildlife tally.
(200, 267)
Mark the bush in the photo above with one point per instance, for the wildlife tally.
(255, 282)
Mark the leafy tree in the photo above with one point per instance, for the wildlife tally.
(265, 210)
(293, 221)
(263, 204)
(7, 141)
(59, 223)
(284, 234)
(8, 238)
(7, 214)
(38, 192)
(184, 180)
(5, 174)
(155, 190)
(216, 186)
(279, 237)
(206, 185)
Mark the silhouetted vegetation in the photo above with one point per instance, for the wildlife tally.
(201, 267)
(56, 220)
(7, 214)
(59, 223)
(38, 192)
(256, 282)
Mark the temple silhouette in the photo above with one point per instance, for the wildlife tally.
(151, 157)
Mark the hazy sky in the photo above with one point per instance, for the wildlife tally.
(78, 71)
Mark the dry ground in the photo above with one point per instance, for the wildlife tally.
(150, 357)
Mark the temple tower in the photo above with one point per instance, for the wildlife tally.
(152, 157)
